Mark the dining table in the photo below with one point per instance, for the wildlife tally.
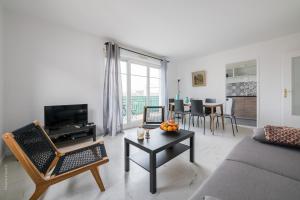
(212, 106)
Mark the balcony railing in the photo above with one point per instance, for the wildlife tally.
(137, 106)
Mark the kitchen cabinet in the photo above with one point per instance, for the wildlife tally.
(241, 72)
(245, 107)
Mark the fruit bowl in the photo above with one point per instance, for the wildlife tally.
(169, 126)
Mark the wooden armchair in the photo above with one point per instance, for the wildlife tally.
(45, 164)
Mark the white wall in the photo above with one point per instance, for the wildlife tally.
(269, 57)
(171, 80)
(46, 64)
(1, 81)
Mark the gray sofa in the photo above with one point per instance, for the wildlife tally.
(254, 170)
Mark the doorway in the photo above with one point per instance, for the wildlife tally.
(291, 91)
(241, 86)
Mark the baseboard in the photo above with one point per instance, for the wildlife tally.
(245, 126)
(5, 153)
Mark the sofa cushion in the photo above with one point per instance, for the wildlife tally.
(235, 181)
(283, 135)
(259, 135)
(280, 160)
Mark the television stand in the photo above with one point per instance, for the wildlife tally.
(71, 133)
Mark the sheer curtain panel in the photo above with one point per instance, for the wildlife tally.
(112, 115)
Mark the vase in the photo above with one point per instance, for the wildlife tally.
(186, 100)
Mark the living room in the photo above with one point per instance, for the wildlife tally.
(221, 75)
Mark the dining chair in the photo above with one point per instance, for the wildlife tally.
(208, 110)
(229, 114)
(197, 111)
(153, 116)
(179, 111)
(170, 107)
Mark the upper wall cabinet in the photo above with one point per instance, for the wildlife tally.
(241, 71)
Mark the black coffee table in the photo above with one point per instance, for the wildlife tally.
(162, 147)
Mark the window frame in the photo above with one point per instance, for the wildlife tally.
(129, 62)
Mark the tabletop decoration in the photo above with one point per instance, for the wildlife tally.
(140, 133)
(147, 134)
(169, 125)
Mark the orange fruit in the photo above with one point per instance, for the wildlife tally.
(170, 128)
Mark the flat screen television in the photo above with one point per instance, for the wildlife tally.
(64, 115)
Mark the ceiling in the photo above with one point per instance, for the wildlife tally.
(177, 29)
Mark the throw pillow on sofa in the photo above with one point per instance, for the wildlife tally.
(283, 136)
(259, 135)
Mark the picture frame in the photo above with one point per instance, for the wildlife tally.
(199, 78)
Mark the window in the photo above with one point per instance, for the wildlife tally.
(140, 87)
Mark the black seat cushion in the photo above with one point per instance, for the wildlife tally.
(79, 158)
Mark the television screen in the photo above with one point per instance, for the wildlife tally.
(62, 115)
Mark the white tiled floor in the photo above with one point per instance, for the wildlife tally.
(177, 179)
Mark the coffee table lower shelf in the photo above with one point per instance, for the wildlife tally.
(162, 157)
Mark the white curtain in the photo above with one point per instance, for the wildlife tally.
(164, 91)
(112, 115)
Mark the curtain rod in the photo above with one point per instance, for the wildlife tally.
(106, 43)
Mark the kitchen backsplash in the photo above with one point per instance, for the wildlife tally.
(241, 89)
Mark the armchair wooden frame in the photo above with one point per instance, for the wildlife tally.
(42, 181)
